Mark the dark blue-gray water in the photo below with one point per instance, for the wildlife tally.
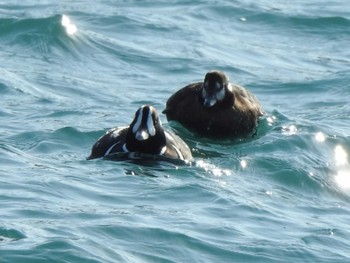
(73, 69)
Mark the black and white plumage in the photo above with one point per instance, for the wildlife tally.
(215, 107)
(145, 135)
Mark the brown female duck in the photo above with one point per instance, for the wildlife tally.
(215, 107)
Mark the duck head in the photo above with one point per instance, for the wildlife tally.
(215, 89)
(146, 134)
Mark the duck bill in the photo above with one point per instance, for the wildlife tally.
(141, 135)
(209, 101)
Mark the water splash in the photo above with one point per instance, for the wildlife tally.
(211, 168)
(289, 130)
(271, 120)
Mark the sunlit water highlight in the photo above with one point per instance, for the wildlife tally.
(71, 29)
(69, 71)
(343, 174)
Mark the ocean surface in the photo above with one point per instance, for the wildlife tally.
(70, 70)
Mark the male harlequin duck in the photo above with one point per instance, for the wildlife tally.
(215, 108)
(145, 135)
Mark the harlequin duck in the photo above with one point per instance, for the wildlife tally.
(215, 107)
(145, 135)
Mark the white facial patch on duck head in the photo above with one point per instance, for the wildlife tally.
(204, 93)
(217, 85)
(220, 95)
